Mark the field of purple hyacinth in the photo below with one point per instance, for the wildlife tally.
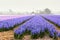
(37, 26)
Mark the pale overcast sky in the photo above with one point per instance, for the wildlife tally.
(29, 5)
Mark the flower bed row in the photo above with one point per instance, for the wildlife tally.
(11, 23)
(53, 18)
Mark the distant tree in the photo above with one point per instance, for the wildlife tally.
(47, 11)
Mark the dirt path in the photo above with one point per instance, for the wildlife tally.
(58, 29)
(8, 35)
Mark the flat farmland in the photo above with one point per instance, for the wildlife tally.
(25, 21)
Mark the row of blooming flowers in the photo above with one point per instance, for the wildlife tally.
(6, 25)
(36, 27)
(53, 18)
